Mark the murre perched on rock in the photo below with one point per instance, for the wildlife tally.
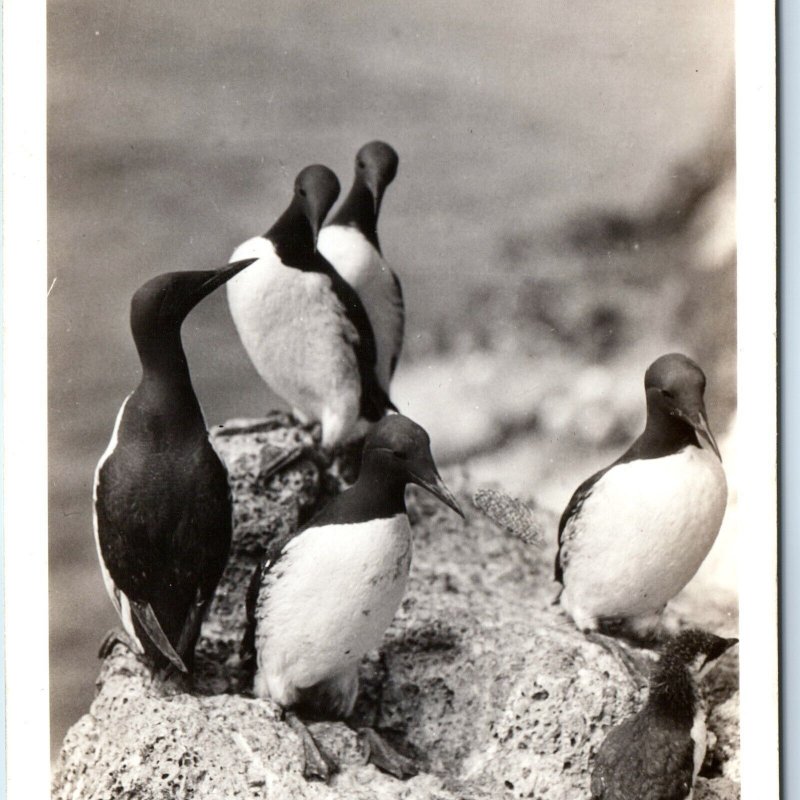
(635, 533)
(350, 242)
(657, 753)
(303, 326)
(162, 507)
(325, 595)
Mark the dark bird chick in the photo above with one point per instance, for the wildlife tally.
(657, 753)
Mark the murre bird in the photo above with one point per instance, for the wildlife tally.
(635, 533)
(325, 595)
(302, 324)
(350, 242)
(162, 507)
(657, 753)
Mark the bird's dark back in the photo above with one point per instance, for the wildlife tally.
(646, 757)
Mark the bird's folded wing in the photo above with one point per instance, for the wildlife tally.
(400, 323)
(148, 620)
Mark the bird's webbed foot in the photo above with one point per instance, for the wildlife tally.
(384, 756)
(318, 765)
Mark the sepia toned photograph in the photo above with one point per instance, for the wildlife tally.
(394, 355)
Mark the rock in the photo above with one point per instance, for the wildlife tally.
(480, 678)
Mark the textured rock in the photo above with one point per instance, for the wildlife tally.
(480, 678)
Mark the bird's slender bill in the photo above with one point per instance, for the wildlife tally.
(375, 191)
(220, 276)
(699, 422)
(435, 485)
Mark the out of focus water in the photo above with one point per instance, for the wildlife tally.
(175, 130)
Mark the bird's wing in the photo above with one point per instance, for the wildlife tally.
(167, 595)
(509, 513)
(400, 322)
(374, 400)
(668, 765)
(568, 518)
(272, 555)
(148, 620)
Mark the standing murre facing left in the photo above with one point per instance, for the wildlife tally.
(350, 242)
(162, 507)
(657, 753)
(326, 594)
(302, 324)
(635, 533)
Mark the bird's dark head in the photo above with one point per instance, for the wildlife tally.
(398, 447)
(315, 191)
(160, 306)
(376, 166)
(675, 386)
(697, 650)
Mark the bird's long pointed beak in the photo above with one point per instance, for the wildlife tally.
(315, 228)
(220, 276)
(376, 192)
(699, 422)
(731, 643)
(437, 488)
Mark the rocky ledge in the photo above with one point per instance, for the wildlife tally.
(480, 678)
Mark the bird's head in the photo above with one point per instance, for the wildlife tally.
(697, 650)
(161, 304)
(376, 166)
(398, 447)
(675, 385)
(315, 191)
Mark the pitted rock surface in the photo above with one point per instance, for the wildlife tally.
(480, 678)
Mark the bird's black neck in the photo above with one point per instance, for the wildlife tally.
(672, 691)
(375, 495)
(292, 236)
(664, 435)
(165, 390)
(360, 211)
(378, 495)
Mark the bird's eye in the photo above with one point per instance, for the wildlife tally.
(302, 193)
(400, 454)
(361, 164)
(669, 395)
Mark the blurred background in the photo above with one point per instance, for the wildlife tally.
(563, 215)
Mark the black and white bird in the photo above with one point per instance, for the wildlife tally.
(303, 325)
(657, 753)
(162, 507)
(635, 533)
(325, 595)
(350, 242)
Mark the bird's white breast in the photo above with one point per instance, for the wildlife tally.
(298, 337)
(362, 266)
(642, 534)
(699, 734)
(327, 601)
